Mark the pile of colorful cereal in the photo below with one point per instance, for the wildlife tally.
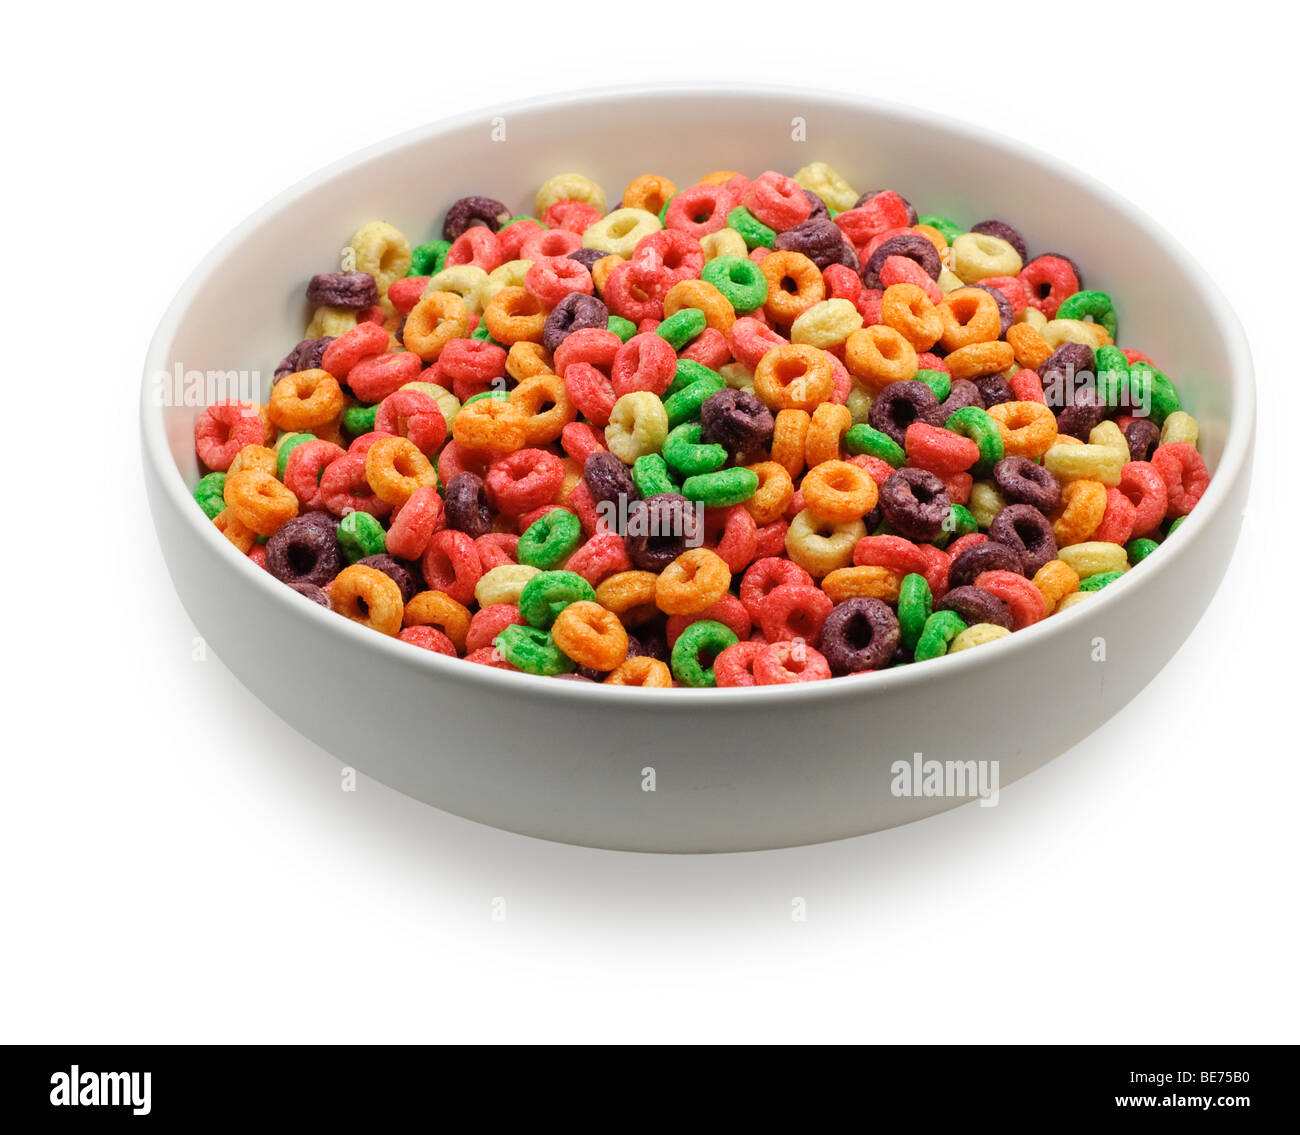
(743, 432)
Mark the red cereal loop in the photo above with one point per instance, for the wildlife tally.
(549, 242)
(572, 216)
(842, 283)
(487, 623)
(352, 346)
(770, 539)
(372, 314)
(841, 380)
(580, 441)
(958, 487)
(428, 638)
(1131, 357)
(526, 520)
(477, 245)
(552, 279)
(677, 254)
(1012, 287)
(1026, 386)
(700, 210)
(470, 366)
(1117, 521)
(414, 415)
(302, 472)
(451, 565)
(869, 303)
(1048, 281)
(940, 451)
(783, 663)
(794, 611)
(375, 377)
(524, 480)
(591, 345)
(344, 488)
(257, 553)
(636, 291)
(878, 470)
(362, 442)
(495, 549)
(903, 270)
(937, 562)
(1144, 485)
(1185, 475)
(709, 348)
(1024, 601)
(735, 665)
(415, 523)
(928, 361)
(490, 656)
(223, 429)
(455, 458)
(764, 576)
(893, 552)
(776, 200)
(733, 534)
(644, 362)
(750, 340)
(583, 505)
(603, 555)
(729, 611)
(405, 292)
(590, 391)
(512, 238)
(960, 544)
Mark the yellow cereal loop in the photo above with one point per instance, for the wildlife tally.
(1085, 462)
(826, 324)
(826, 182)
(737, 376)
(724, 242)
(330, 321)
(509, 275)
(447, 402)
(977, 256)
(859, 404)
(637, 427)
(1093, 557)
(1073, 600)
(820, 547)
(383, 252)
(985, 502)
(619, 232)
(1059, 331)
(977, 635)
(1180, 426)
(466, 280)
(948, 282)
(503, 584)
(569, 187)
(1035, 318)
(1109, 436)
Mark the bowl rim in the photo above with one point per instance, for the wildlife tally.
(1232, 464)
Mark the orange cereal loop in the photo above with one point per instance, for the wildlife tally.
(437, 609)
(969, 315)
(774, 493)
(259, 501)
(434, 322)
(649, 192)
(369, 597)
(630, 595)
(908, 310)
(862, 583)
(934, 236)
(794, 376)
(590, 635)
(514, 315)
(789, 438)
(879, 355)
(602, 268)
(544, 401)
(1030, 348)
(1028, 429)
(395, 468)
(830, 422)
(980, 358)
(235, 530)
(838, 492)
(696, 579)
(718, 177)
(525, 359)
(1055, 580)
(794, 284)
(641, 671)
(718, 312)
(257, 457)
(305, 399)
(490, 423)
(1083, 504)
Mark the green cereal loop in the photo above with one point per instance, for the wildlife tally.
(1112, 376)
(550, 540)
(685, 404)
(1149, 387)
(430, 258)
(685, 452)
(650, 475)
(481, 334)
(497, 395)
(915, 603)
(549, 592)
(1174, 526)
(1100, 580)
(697, 637)
(949, 230)
(286, 446)
(1138, 550)
(720, 489)
(864, 439)
(360, 535)
(1091, 303)
(688, 371)
(739, 280)
(834, 212)
(754, 233)
(533, 651)
(974, 423)
(663, 213)
(681, 327)
(623, 328)
(937, 381)
(524, 217)
(360, 419)
(940, 629)
(210, 493)
(959, 522)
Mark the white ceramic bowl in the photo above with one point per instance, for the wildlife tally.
(734, 769)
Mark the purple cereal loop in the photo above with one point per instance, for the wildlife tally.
(1005, 314)
(303, 551)
(349, 290)
(1003, 231)
(608, 479)
(1142, 435)
(1027, 531)
(587, 257)
(314, 593)
(963, 393)
(739, 422)
(400, 573)
(860, 634)
(987, 555)
(975, 606)
(899, 404)
(475, 210)
(649, 641)
(657, 528)
(575, 312)
(818, 239)
(915, 503)
(993, 389)
(819, 208)
(912, 245)
(466, 505)
(1082, 415)
(305, 356)
(1022, 481)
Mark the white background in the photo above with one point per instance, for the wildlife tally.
(177, 865)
